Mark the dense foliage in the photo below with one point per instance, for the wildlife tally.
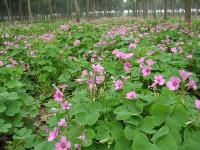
(127, 84)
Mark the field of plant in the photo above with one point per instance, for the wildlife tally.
(117, 84)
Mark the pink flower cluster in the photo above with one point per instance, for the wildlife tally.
(64, 27)
(122, 55)
(174, 82)
(58, 96)
(185, 75)
(48, 37)
(146, 68)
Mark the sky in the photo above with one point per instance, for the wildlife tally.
(124, 0)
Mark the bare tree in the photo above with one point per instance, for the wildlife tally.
(77, 10)
(29, 11)
(187, 11)
(165, 9)
(87, 2)
(50, 9)
(8, 10)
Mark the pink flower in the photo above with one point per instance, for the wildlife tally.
(184, 74)
(122, 30)
(150, 62)
(98, 68)
(197, 103)
(117, 53)
(53, 134)
(99, 79)
(141, 60)
(128, 55)
(62, 123)
(173, 83)
(136, 40)
(174, 50)
(90, 81)
(150, 53)
(189, 56)
(66, 105)
(131, 95)
(58, 95)
(111, 34)
(118, 85)
(1, 63)
(146, 70)
(153, 85)
(122, 55)
(127, 66)
(84, 73)
(63, 144)
(158, 79)
(132, 45)
(192, 84)
(77, 42)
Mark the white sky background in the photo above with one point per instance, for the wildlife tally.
(124, 1)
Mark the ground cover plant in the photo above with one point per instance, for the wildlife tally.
(108, 84)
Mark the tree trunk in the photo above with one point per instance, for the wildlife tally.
(165, 9)
(187, 11)
(50, 9)
(87, 9)
(29, 11)
(94, 8)
(8, 10)
(145, 11)
(77, 10)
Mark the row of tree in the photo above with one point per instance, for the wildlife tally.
(52, 9)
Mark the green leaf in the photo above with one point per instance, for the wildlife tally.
(160, 133)
(102, 132)
(94, 106)
(147, 124)
(12, 96)
(180, 115)
(122, 113)
(45, 146)
(122, 144)
(64, 77)
(160, 111)
(13, 108)
(140, 141)
(87, 118)
(4, 127)
(90, 133)
(2, 106)
(129, 133)
(22, 133)
(166, 143)
(13, 84)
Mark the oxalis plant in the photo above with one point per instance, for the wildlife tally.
(127, 84)
(129, 98)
